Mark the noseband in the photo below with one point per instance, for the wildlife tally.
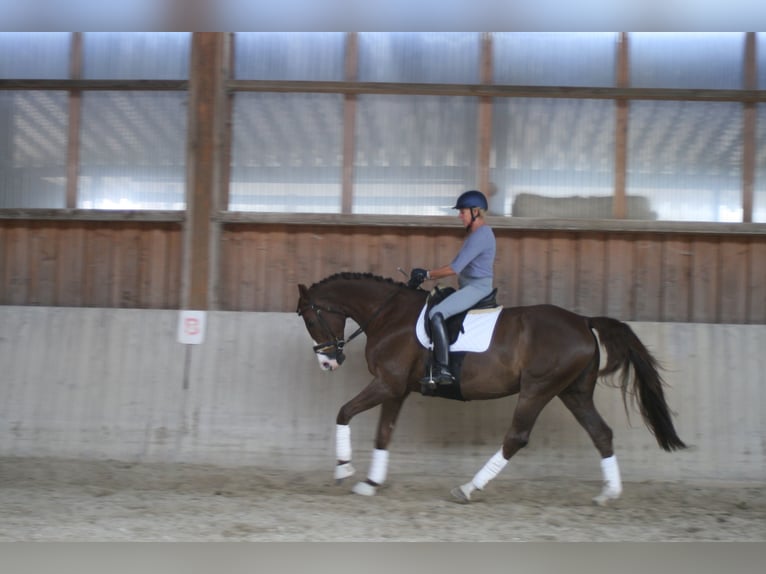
(334, 348)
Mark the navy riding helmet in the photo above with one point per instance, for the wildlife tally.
(471, 198)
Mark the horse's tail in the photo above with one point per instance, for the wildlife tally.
(624, 349)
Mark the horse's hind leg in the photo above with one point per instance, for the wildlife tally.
(580, 402)
(524, 416)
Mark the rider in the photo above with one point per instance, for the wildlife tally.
(474, 267)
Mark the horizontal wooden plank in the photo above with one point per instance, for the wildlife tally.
(92, 215)
(396, 88)
(498, 91)
(497, 222)
(111, 85)
(355, 220)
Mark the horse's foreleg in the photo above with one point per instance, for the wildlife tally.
(343, 467)
(371, 396)
(379, 466)
(376, 476)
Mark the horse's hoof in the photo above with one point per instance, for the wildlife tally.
(461, 495)
(606, 496)
(343, 471)
(365, 489)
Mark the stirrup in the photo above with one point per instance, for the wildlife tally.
(428, 382)
(445, 381)
(438, 377)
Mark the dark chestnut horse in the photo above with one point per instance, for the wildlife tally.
(538, 352)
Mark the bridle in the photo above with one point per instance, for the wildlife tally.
(334, 347)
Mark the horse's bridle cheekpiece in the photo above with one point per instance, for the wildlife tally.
(334, 348)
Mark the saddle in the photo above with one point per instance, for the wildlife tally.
(455, 323)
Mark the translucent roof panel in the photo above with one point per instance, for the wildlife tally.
(34, 144)
(701, 60)
(686, 157)
(133, 150)
(35, 55)
(136, 55)
(414, 154)
(317, 56)
(420, 57)
(555, 58)
(287, 153)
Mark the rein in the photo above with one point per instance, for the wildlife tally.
(339, 343)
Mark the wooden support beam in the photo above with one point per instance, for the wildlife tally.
(619, 207)
(222, 119)
(73, 129)
(749, 119)
(349, 123)
(204, 152)
(485, 118)
(226, 128)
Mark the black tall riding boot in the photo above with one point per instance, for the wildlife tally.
(440, 373)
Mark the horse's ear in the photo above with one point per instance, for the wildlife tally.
(303, 290)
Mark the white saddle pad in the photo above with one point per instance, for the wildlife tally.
(479, 325)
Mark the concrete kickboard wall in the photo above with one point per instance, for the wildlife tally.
(112, 383)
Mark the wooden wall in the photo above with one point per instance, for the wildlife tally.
(90, 264)
(634, 276)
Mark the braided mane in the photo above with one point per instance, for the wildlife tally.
(348, 275)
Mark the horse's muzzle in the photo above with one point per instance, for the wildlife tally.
(330, 356)
(327, 363)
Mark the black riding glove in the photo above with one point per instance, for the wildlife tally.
(417, 276)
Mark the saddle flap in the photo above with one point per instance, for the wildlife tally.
(477, 330)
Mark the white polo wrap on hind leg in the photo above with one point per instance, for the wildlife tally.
(490, 470)
(378, 466)
(611, 473)
(479, 481)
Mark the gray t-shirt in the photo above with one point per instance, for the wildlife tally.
(476, 257)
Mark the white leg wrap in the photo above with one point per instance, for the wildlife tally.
(344, 471)
(379, 466)
(489, 470)
(612, 481)
(364, 489)
(611, 472)
(343, 442)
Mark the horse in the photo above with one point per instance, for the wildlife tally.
(537, 352)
